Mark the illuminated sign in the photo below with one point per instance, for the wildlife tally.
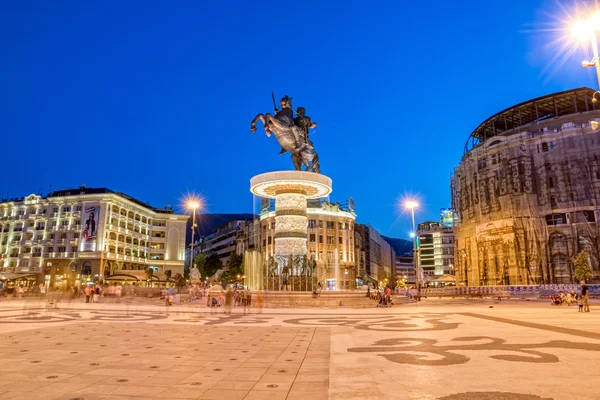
(447, 216)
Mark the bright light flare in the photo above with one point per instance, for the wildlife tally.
(193, 204)
(582, 30)
(410, 204)
(412, 234)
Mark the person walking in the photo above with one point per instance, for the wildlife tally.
(118, 292)
(585, 293)
(247, 301)
(228, 300)
(169, 296)
(88, 293)
(260, 301)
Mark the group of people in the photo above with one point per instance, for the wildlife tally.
(383, 299)
(235, 297)
(567, 299)
(94, 292)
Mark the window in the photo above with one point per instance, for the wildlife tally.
(556, 219)
(37, 250)
(55, 209)
(269, 240)
(78, 222)
(78, 208)
(65, 223)
(320, 238)
(330, 225)
(340, 240)
(67, 209)
(330, 240)
(312, 223)
(62, 249)
(550, 182)
(51, 237)
(545, 147)
(63, 236)
(73, 249)
(585, 216)
(312, 238)
(53, 223)
(553, 201)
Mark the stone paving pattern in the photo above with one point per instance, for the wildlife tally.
(434, 350)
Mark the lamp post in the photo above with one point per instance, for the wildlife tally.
(193, 205)
(411, 204)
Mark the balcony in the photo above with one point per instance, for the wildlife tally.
(76, 214)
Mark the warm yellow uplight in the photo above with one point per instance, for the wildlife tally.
(411, 204)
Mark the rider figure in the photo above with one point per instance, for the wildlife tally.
(286, 118)
(304, 123)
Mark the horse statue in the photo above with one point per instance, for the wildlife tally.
(292, 137)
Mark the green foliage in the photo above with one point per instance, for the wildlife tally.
(235, 264)
(582, 269)
(212, 264)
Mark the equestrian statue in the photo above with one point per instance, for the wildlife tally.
(291, 133)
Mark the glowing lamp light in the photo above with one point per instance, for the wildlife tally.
(193, 204)
(411, 204)
(412, 235)
(582, 29)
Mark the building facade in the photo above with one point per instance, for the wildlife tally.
(436, 249)
(235, 236)
(405, 268)
(527, 192)
(376, 257)
(330, 241)
(91, 232)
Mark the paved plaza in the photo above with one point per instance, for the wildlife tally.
(447, 350)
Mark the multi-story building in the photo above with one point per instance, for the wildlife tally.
(527, 193)
(436, 249)
(235, 236)
(405, 268)
(376, 257)
(91, 232)
(330, 241)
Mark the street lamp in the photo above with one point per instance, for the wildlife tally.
(584, 30)
(193, 205)
(412, 204)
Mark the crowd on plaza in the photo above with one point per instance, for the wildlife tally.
(570, 298)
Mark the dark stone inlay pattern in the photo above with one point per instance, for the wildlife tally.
(402, 351)
(493, 396)
(534, 325)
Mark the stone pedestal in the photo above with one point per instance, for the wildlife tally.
(291, 190)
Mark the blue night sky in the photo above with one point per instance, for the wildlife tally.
(155, 98)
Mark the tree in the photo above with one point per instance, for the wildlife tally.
(582, 269)
(235, 264)
(212, 264)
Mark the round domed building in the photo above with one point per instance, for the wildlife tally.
(527, 193)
